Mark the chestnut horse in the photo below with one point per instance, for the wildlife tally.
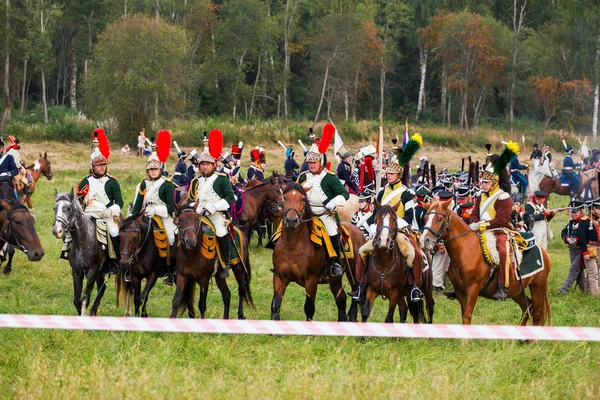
(140, 255)
(550, 185)
(387, 273)
(469, 272)
(296, 259)
(193, 267)
(41, 166)
(258, 195)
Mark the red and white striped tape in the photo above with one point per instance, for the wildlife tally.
(316, 328)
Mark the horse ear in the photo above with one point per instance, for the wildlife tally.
(307, 189)
(45, 155)
(55, 193)
(446, 203)
(4, 205)
(71, 194)
(377, 204)
(395, 208)
(40, 155)
(426, 206)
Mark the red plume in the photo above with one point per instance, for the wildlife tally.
(103, 145)
(369, 165)
(215, 143)
(326, 137)
(329, 166)
(163, 145)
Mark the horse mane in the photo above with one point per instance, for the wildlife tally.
(66, 196)
(382, 211)
(184, 207)
(129, 220)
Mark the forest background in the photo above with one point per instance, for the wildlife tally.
(276, 67)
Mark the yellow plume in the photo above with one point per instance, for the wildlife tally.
(513, 147)
(417, 138)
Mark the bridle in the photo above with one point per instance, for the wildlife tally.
(445, 227)
(393, 232)
(138, 246)
(195, 229)
(69, 226)
(286, 211)
(10, 231)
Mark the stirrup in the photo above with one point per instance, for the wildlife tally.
(224, 273)
(127, 276)
(416, 294)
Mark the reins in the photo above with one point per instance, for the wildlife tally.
(10, 231)
(133, 256)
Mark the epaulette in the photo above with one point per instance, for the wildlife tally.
(585, 218)
(219, 173)
(112, 176)
(302, 173)
(329, 172)
(167, 179)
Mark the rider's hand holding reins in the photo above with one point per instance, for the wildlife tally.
(331, 206)
(210, 209)
(474, 226)
(150, 211)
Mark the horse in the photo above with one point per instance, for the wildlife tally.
(550, 185)
(41, 166)
(387, 274)
(193, 267)
(536, 175)
(295, 259)
(87, 257)
(347, 210)
(17, 230)
(469, 272)
(140, 255)
(257, 197)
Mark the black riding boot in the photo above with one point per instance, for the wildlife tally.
(170, 279)
(113, 268)
(336, 267)
(502, 293)
(360, 294)
(224, 246)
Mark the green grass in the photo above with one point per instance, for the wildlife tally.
(65, 364)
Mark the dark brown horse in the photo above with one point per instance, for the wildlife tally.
(194, 268)
(296, 259)
(140, 255)
(550, 185)
(259, 196)
(469, 272)
(388, 276)
(40, 167)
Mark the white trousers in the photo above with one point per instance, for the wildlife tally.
(439, 267)
(330, 224)
(220, 223)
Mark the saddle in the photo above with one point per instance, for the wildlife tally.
(320, 238)
(516, 245)
(210, 245)
(102, 237)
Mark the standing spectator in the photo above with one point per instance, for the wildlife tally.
(141, 144)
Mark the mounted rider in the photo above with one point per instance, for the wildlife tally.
(492, 211)
(212, 195)
(569, 176)
(344, 170)
(517, 176)
(23, 178)
(155, 196)
(325, 193)
(290, 166)
(100, 195)
(8, 170)
(192, 169)
(259, 162)
(179, 177)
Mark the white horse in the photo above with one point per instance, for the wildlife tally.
(536, 175)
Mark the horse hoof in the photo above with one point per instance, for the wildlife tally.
(241, 317)
(7, 270)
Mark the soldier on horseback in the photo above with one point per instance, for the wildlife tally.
(291, 167)
(492, 211)
(155, 196)
(569, 175)
(344, 170)
(212, 195)
(257, 168)
(325, 193)
(100, 195)
(8, 170)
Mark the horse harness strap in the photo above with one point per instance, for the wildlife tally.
(10, 232)
(383, 275)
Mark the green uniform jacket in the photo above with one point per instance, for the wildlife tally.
(166, 193)
(330, 184)
(111, 187)
(222, 187)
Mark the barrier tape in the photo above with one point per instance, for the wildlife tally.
(316, 328)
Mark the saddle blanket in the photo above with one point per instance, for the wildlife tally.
(161, 239)
(531, 263)
(210, 245)
(319, 237)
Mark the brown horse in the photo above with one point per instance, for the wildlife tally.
(387, 274)
(194, 268)
(296, 259)
(140, 255)
(550, 185)
(469, 272)
(258, 196)
(40, 167)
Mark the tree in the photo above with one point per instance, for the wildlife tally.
(131, 82)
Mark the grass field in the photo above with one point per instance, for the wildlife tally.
(63, 364)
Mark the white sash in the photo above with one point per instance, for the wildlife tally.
(152, 191)
(487, 204)
(392, 195)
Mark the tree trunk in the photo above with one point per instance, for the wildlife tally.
(596, 91)
(24, 88)
(449, 109)
(157, 10)
(73, 89)
(278, 105)
(254, 89)
(156, 111)
(478, 108)
(381, 95)
(423, 68)
(7, 101)
(513, 73)
(322, 93)
(44, 99)
(288, 18)
(346, 104)
(355, 100)
(444, 92)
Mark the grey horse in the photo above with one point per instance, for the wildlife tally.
(87, 257)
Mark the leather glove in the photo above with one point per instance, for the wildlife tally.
(200, 210)
(330, 206)
(150, 211)
(474, 226)
(210, 209)
(572, 240)
(105, 214)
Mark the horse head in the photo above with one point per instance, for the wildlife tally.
(65, 211)
(44, 166)
(295, 206)
(189, 226)
(19, 230)
(134, 228)
(386, 220)
(437, 223)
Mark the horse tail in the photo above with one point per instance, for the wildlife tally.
(417, 310)
(246, 294)
(120, 289)
(187, 296)
(545, 317)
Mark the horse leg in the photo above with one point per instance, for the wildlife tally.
(468, 304)
(137, 287)
(239, 277)
(100, 289)
(393, 301)
(340, 299)
(367, 307)
(310, 286)
(403, 310)
(520, 300)
(226, 295)
(202, 298)
(180, 286)
(11, 254)
(279, 286)
(150, 282)
(87, 293)
(77, 289)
